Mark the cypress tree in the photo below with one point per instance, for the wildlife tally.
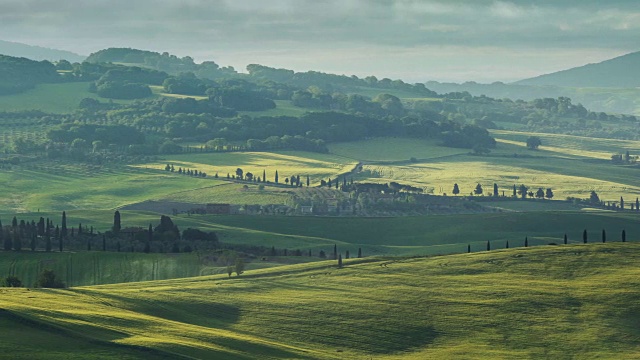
(2, 237)
(117, 226)
(264, 176)
(624, 236)
(495, 190)
(469, 248)
(584, 236)
(488, 246)
(310, 253)
(14, 223)
(507, 245)
(565, 239)
(58, 237)
(276, 177)
(604, 236)
(340, 260)
(335, 251)
(307, 180)
(80, 229)
(34, 236)
(41, 226)
(621, 203)
(637, 204)
(47, 236)
(8, 242)
(63, 230)
(359, 253)
(526, 242)
(147, 245)
(346, 255)
(17, 241)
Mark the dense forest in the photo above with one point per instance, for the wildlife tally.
(19, 74)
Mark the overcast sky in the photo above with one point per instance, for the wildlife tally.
(465, 40)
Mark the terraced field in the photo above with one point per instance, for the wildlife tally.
(561, 302)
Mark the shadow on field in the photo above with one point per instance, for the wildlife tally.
(209, 314)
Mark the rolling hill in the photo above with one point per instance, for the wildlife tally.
(559, 302)
(619, 72)
(37, 53)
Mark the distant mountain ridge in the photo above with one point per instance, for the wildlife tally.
(37, 53)
(619, 72)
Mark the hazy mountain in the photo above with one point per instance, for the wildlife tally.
(37, 52)
(620, 72)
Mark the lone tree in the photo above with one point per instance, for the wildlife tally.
(495, 190)
(526, 242)
(340, 261)
(469, 248)
(276, 177)
(239, 266)
(507, 245)
(565, 239)
(549, 194)
(533, 142)
(335, 251)
(604, 236)
(359, 253)
(624, 236)
(621, 203)
(456, 189)
(488, 246)
(478, 189)
(584, 236)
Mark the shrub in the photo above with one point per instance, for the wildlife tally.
(47, 279)
(11, 281)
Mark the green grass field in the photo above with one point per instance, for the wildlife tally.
(54, 98)
(287, 163)
(573, 146)
(393, 149)
(560, 302)
(66, 186)
(572, 171)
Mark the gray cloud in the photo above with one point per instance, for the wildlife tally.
(299, 32)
